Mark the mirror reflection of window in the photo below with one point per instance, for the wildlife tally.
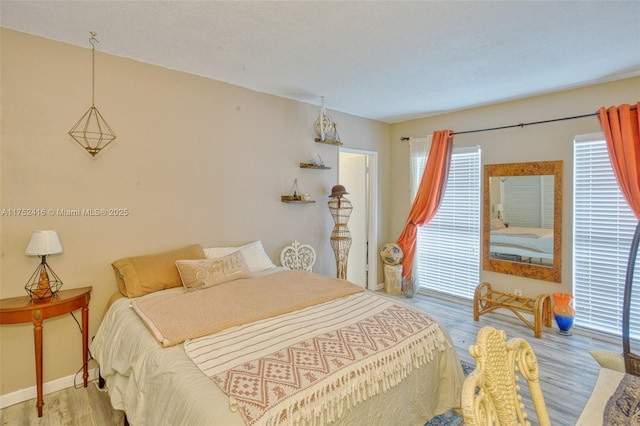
(528, 201)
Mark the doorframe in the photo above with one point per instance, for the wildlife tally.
(372, 208)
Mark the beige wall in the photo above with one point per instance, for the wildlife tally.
(195, 161)
(542, 142)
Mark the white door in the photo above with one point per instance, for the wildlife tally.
(356, 173)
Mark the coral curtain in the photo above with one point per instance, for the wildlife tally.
(620, 127)
(430, 193)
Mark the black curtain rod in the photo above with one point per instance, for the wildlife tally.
(525, 124)
(405, 138)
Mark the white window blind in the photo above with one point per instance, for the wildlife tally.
(447, 256)
(603, 229)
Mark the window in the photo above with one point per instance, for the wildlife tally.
(447, 256)
(603, 229)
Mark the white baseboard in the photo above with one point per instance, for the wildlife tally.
(48, 387)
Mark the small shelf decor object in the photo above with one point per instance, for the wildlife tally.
(316, 163)
(316, 160)
(43, 283)
(564, 313)
(92, 131)
(326, 129)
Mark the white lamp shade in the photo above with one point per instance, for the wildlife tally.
(43, 243)
(499, 208)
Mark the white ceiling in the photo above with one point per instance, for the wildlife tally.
(384, 60)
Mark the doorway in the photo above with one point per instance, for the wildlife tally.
(357, 171)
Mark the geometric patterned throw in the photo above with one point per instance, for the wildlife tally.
(299, 379)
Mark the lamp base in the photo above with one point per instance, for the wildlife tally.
(44, 283)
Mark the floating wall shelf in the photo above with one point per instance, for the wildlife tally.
(329, 141)
(290, 199)
(313, 166)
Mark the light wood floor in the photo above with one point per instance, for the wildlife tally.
(568, 373)
(69, 407)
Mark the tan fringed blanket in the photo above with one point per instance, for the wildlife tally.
(175, 317)
(312, 365)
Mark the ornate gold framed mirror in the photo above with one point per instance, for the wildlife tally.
(522, 219)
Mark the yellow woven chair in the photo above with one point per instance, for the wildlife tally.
(490, 394)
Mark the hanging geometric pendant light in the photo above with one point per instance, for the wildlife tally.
(92, 131)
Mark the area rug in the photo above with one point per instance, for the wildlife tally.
(451, 418)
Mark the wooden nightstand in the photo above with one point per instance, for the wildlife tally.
(24, 309)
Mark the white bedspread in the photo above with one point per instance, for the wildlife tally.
(535, 239)
(162, 386)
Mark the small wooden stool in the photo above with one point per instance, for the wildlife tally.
(486, 300)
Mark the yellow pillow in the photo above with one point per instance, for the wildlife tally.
(140, 275)
(203, 273)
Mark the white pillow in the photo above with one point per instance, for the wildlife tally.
(253, 253)
(214, 252)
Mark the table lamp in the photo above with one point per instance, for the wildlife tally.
(44, 283)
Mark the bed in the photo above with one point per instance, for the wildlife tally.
(309, 350)
(521, 243)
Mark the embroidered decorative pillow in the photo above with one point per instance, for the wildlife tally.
(204, 273)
